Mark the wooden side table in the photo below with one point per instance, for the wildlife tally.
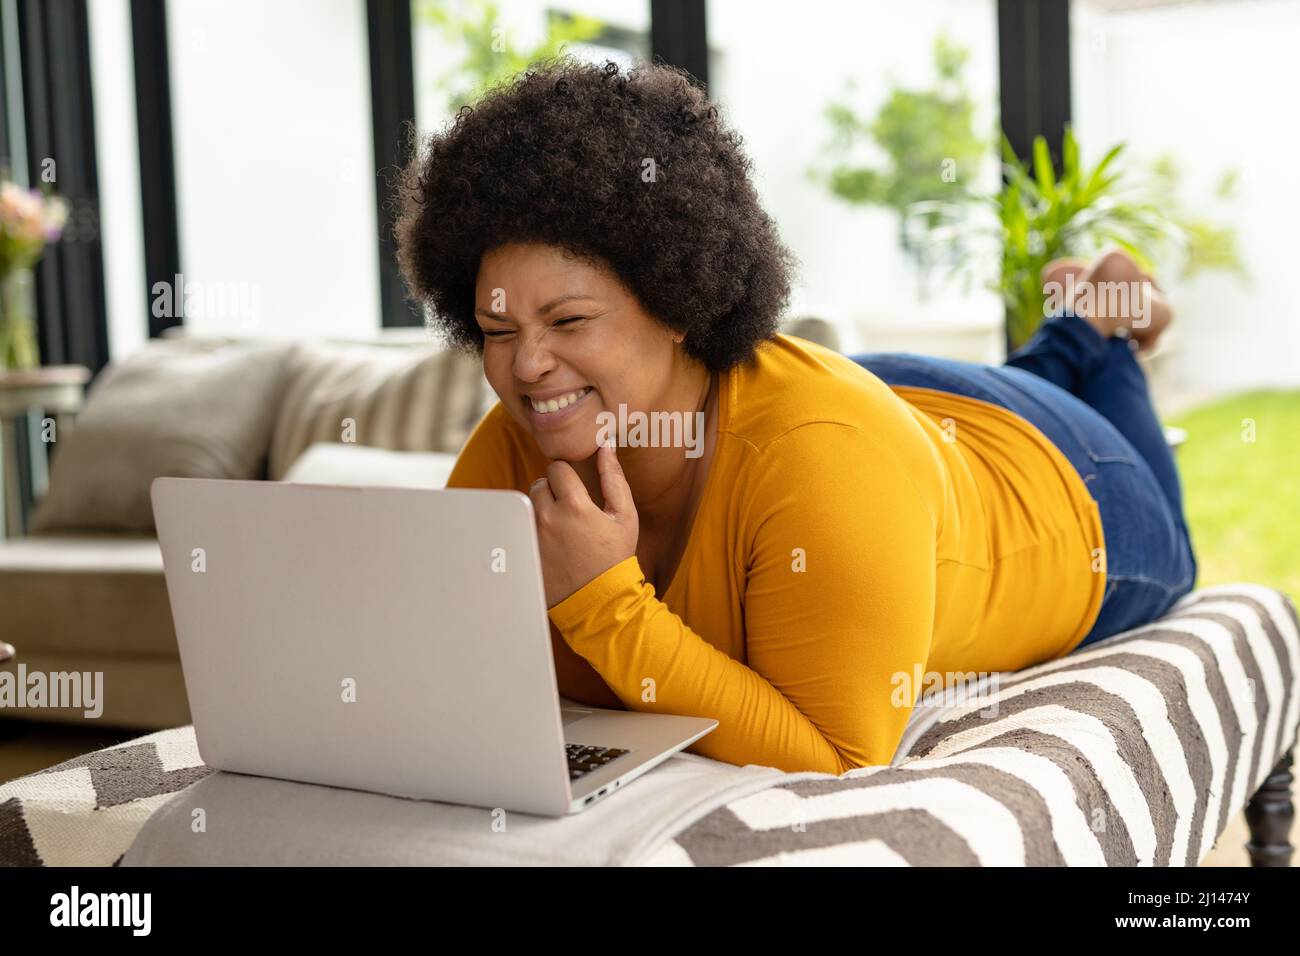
(57, 390)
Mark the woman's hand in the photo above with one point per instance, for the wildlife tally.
(577, 540)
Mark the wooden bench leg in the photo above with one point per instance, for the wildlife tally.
(1269, 816)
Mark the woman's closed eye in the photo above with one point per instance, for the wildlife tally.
(576, 318)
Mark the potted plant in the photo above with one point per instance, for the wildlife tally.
(1042, 217)
(1039, 216)
(28, 222)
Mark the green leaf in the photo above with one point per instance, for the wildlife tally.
(1069, 153)
(1095, 182)
(1043, 171)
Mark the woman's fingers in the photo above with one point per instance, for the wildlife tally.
(613, 483)
(565, 483)
(540, 493)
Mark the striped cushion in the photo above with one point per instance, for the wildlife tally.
(1135, 751)
(423, 398)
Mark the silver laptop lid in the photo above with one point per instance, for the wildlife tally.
(385, 639)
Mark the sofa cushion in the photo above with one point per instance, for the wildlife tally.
(333, 463)
(180, 408)
(85, 594)
(406, 399)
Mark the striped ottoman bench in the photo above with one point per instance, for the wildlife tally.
(1135, 752)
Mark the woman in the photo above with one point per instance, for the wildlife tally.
(837, 532)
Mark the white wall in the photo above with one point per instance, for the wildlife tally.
(117, 153)
(274, 160)
(1215, 85)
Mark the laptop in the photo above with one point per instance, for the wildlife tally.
(393, 640)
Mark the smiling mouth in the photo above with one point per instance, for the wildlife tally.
(552, 405)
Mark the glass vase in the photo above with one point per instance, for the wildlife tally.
(18, 348)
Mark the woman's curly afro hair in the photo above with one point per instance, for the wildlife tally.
(561, 155)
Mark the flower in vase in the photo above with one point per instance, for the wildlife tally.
(28, 222)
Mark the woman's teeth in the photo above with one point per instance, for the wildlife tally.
(562, 401)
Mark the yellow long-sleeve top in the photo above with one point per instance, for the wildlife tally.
(852, 540)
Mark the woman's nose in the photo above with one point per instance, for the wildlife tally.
(533, 358)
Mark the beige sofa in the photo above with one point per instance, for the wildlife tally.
(85, 591)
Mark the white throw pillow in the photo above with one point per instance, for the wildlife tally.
(336, 463)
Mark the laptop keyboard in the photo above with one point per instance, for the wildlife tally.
(584, 758)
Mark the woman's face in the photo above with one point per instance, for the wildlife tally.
(559, 331)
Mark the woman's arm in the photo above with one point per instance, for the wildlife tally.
(839, 604)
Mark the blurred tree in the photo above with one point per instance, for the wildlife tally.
(490, 54)
(1200, 244)
(931, 150)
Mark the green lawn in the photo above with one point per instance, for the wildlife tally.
(1243, 497)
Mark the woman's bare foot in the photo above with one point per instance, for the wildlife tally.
(1160, 314)
(1111, 294)
(1062, 283)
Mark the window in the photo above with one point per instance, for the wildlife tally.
(864, 267)
(274, 158)
(460, 46)
(1204, 90)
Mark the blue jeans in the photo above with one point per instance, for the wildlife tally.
(1089, 396)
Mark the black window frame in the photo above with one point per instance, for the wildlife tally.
(1033, 82)
(59, 124)
(156, 145)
